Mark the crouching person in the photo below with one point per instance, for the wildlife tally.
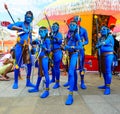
(6, 66)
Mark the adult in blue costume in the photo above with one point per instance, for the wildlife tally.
(43, 62)
(106, 47)
(84, 38)
(22, 47)
(73, 45)
(57, 54)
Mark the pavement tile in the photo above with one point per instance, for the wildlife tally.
(89, 101)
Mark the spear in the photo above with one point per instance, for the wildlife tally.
(49, 28)
(99, 58)
(5, 6)
(48, 22)
(19, 33)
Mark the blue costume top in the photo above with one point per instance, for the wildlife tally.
(57, 54)
(23, 53)
(74, 43)
(107, 44)
(83, 35)
(73, 46)
(45, 47)
(105, 47)
(57, 40)
(25, 35)
(106, 41)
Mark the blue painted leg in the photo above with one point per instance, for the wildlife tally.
(36, 88)
(75, 88)
(45, 94)
(107, 90)
(15, 85)
(66, 84)
(102, 87)
(29, 84)
(52, 81)
(53, 76)
(69, 100)
(16, 73)
(83, 86)
(33, 90)
(57, 85)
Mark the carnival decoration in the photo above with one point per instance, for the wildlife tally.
(62, 7)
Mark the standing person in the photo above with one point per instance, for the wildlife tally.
(116, 47)
(106, 46)
(22, 47)
(65, 62)
(57, 54)
(73, 45)
(43, 62)
(84, 38)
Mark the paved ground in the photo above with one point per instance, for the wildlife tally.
(90, 101)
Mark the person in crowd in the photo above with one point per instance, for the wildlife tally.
(84, 38)
(116, 48)
(73, 45)
(22, 52)
(43, 62)
(65, 60)
(6, 66)
(57, 54)
(106, 46)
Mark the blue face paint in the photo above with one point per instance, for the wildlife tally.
(55, 27)
(104, 30)
(77, 18)
(28, 18)
(43, 33)
(72, 26)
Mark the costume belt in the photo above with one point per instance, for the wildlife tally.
(20, 44)
(45, 56)
(56, 50)
(73, 52)
(107, 53)
(25, 53)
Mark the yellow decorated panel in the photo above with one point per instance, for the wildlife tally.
(86, 22)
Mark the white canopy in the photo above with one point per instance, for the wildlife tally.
(61, 7)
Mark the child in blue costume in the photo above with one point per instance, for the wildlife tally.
(73, 46)
(43, 62)
(84, 38)
(57, 54)
(106, 47)
(22, 47)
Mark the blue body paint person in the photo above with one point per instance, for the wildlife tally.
(57, 54)
(43, 62)
(73, 46)
(84, 39)
(22, 51)
(106, 46)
